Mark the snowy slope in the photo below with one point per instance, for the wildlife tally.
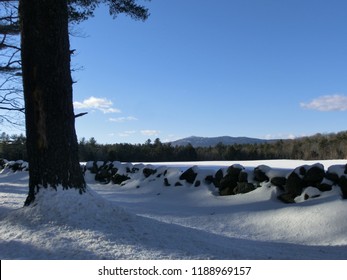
(146, 220)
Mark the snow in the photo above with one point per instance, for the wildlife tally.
(143, 219)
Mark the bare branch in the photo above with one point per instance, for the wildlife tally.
(80, 114)
(11, 94)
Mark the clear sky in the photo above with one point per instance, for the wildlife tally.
(256, 68)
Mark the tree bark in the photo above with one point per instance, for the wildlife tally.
(50, 121)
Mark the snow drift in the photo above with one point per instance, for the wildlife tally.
(144, 219)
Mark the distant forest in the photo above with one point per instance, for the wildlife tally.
(316, 147)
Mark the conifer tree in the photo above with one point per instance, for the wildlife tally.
(52, 145)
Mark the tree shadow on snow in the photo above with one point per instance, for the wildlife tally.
(17, 250)
(190, 243)
(145, 238)
(13, 190)
(118, 235)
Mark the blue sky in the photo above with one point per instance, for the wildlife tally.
(256, 68)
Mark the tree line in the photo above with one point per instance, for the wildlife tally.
(316, 147)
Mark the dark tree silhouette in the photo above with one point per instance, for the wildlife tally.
(52, 145)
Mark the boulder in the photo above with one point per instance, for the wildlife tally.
(302, 170)
(324, 187)
(166, 182)
(294, 184)
(197, 183)
(314, 175)
(15, 166)
(337, 175)
(226, 191)
(287, 197)
(334, 173)
(209, 179)
(92, 167)
(229, 182)
(128, 169)
(235, 169)
(343, 186)
(244, 187)
(2, 163)
(332, 177)
(108, 165)
(113, 170)
(148, 172)
(260, 174)
(119, 179)
(279, 182)
(134, 170)
(217, 178)
(103, 176)
(189, 175)
(243, 177)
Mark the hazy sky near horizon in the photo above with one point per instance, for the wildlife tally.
(256, 68)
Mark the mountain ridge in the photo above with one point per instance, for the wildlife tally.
(198, 141)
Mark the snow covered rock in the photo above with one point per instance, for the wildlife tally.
(2, 163)
(260, 173)
(314, 175)
(244, 187)
(189, 175)
(338, 175)
(343, 186)
(147, 171)
(309, 192)
(118, 179)
(218, 176)
(287, 197)
(14, 166)
(229, 182)
(295, 184)
(103, 176)
(279, 182)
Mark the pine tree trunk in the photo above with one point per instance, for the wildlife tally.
(50, 122)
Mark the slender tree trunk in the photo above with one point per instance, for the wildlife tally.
(50, 122)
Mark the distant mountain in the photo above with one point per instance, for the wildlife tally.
(196, 141)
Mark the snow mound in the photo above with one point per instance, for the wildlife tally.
(62, 224)
(144, 219)
(70, 207)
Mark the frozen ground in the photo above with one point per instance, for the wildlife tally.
(145, 220)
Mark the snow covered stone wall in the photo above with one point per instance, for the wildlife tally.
(13, 166)
(303, 183)
(294, 185)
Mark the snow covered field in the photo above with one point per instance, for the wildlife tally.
(151, 221)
